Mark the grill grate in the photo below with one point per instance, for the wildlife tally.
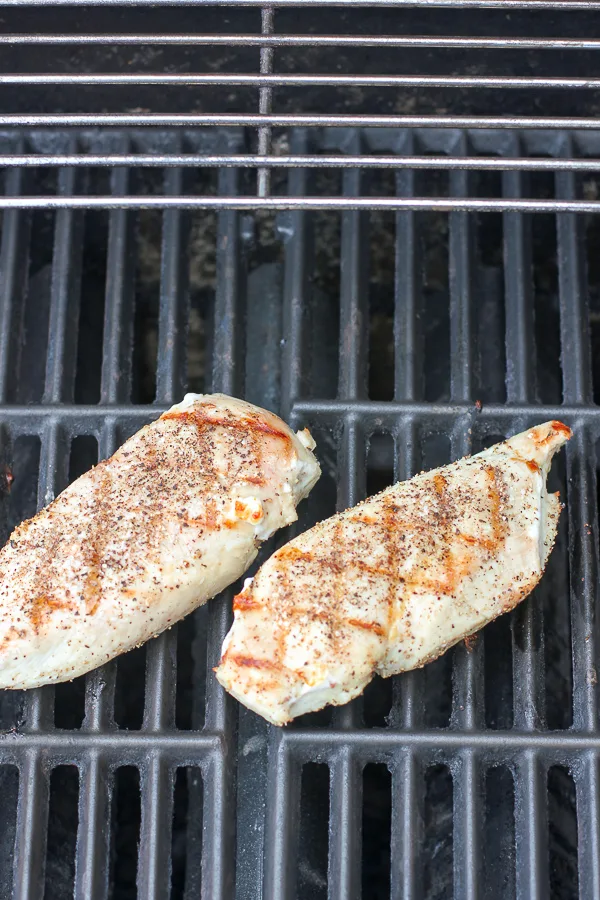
(369, 256)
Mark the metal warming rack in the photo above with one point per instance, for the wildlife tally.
(379, 219)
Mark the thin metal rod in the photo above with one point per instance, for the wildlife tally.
(198, 161)
(442, 204)
(267, 39)
(379, 81)
(167, 120)
(569, 5)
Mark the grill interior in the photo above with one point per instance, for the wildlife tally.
(380, 220)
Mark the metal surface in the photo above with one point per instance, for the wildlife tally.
(406, 261)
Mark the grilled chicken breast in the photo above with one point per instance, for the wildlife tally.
(145, 537)
(394, 582)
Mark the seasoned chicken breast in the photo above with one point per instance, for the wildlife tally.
(394, 582)
(145, 537)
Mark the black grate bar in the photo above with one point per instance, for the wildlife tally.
(354, 310)
(531, 829)
(345, 803)
(31, 833)
(225, 350)
(61, 356)
(468, 658)
(588, 826)
(583, 570)
(583, 543)
(218, 855)
(115, 384)
(13, 265)
(174, 300)
(407, 813)
(293, 229)
(407, 350)
(373, 413)
(460, 274)
(282, 819)
(575, 344)
(518, 295)
(154, 859)
(407, 793)
(467, 826)
(268, 39)
(370, 744)
(270, 80)
(95, 779)
(345, 788)
(32, 809)
(92, 853)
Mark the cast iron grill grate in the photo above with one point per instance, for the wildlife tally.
(207, 197)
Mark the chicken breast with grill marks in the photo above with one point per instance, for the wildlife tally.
(145, 537)
(394, 582)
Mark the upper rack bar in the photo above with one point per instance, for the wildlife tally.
(310, 40)
(303, 162)
(457, 81)
(569, 5)
(302, 120)
(252, 203)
